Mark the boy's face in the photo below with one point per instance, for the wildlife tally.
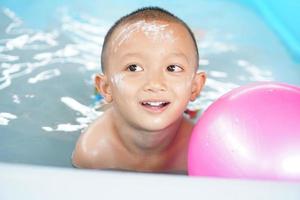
(151, 73)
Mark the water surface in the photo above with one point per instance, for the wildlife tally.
(50, 51)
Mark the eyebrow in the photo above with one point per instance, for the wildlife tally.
(181, 55)
(131, 54)
(137, 54)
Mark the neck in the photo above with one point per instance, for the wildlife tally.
(145, 142)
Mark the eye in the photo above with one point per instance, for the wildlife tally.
(174, 68)
(134, 68)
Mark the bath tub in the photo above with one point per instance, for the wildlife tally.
(49, 53)
(34, 183)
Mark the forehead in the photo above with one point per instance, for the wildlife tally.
(147, 25)
(152, 29)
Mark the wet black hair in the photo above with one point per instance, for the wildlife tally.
(146, 13)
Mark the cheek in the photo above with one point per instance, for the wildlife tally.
(182, 85)
(123, 88)
(117, 81)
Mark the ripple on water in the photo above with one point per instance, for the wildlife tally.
(33, 57)
(5, 118)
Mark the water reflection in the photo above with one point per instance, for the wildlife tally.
(71, 52)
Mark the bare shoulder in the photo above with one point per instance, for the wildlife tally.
(186, 127)
(94, 146)
(178, 162)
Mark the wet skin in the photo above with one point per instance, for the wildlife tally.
(150, 76)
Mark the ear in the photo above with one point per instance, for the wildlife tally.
(197, 85)
(103, 87)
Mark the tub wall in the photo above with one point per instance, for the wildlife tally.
(283, 18)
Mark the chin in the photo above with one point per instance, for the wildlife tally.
(156, 126)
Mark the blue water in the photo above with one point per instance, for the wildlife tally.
(49, 52)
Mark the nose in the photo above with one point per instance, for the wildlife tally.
(155, 82)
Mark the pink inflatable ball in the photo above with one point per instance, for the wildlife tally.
(252, 132)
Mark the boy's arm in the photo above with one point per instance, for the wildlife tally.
(92, 152)
(80, 158)
(86, 154)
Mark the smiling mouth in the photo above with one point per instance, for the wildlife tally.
(155, 106)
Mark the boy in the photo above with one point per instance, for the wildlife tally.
(149, 62)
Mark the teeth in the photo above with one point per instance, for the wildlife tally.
(154, 103)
